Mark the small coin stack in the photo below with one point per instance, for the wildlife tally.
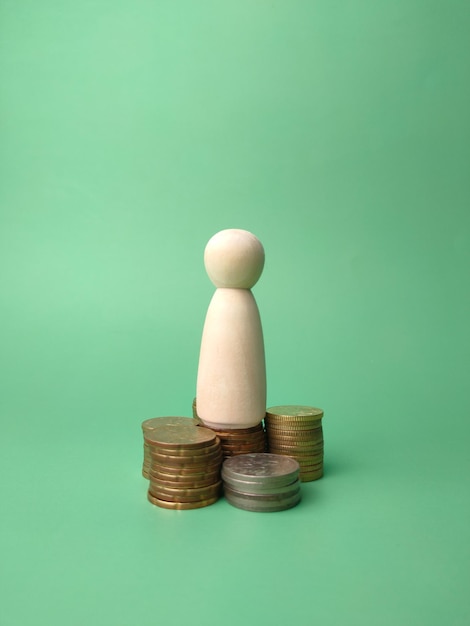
(236, 441)
(152, 423)
(296, 431)
(261, 482)
(185, 463)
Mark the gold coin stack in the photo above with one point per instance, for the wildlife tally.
(242, 440)
(296, 431)
(236, 441)
(185, 464)
(151, 424)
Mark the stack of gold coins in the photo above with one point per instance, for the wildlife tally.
(242, 440)
(185, 463)
(296, 431)
(261, 482)
(238, 440)
(151, 424)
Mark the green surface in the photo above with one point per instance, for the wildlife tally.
(337, 132)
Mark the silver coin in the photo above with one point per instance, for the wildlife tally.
(263, 467)
(250, 488)
(260, 505)
(277, 498)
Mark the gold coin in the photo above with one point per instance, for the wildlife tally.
(187, 461)
(304, 444)
(230, 453)
(157, 422)
(301, 455)
(181, 505)
(186, 452)
(296, 441)
(243, 446)
(314, 469)
(304, 425)
(309, 465)
(247, 448)
(300, 440)
(306, 419)
(260, 436)
(285, 425)
(297, 449)
(186, 471)
(299, 433)
(179, 435)
(308, 477)
(191, 480)
(183, 494)
(294, 411)
(292, 423)
(191, 484)
(228, 441)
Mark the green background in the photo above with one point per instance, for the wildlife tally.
(338, 133)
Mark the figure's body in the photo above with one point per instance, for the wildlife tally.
(231, 383)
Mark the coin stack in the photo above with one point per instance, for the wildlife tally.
(238, 440)
(152, 423)
(185, 463)
(296, 431)
(261, 482)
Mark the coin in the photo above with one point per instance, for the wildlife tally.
(294, 411)
(249, 488)
(270, 468)
(186, 452)
(250, 504)
(178, 434)
(155, 422)
(190, 484)
(292, 443)
(311, 465)
(298, 443)
(295, 435)
(306, 459)
(185, 495)
(293, 429)
(274, 449)
(181, 505)
(314, 469)
(306, 477)
(187, 491)
(293, 425)
(244, 448)
(240, 442)
(187, 482)
(187, 461)
(190, 470)
(272, 496)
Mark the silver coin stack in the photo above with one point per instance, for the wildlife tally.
(261, 481)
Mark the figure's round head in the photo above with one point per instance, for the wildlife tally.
(234, 259)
